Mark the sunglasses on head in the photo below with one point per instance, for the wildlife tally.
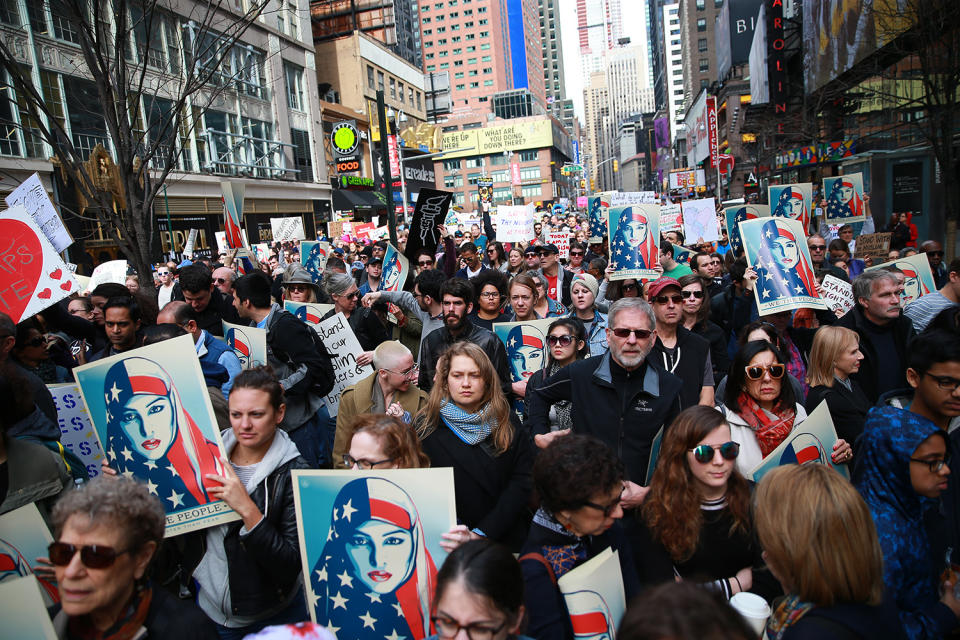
(695, 294)
(93, 556)
(756, 372)
(563, 341)
(675, 299)
(703, 453)
(641, 334)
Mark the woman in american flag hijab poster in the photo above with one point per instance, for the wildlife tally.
(777, 251)
(369, 541)
(845, 201)
(153, 417)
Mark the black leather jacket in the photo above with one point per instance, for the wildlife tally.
(264, 565)
(440, 339)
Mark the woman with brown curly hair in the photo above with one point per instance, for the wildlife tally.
(696, 518)
(467, 424)
(379, 441)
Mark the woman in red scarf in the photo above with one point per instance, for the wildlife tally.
(761, 409)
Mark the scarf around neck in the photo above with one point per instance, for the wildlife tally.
(126, 627)
(770, 432)
(472, 428)
(785, 615)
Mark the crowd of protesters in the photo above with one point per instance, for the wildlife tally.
(552, 470)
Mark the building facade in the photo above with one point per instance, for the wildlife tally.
(698, 26)
(394, 23)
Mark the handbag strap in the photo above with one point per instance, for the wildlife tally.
(539, 558)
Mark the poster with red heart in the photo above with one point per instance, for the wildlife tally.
(32, 275)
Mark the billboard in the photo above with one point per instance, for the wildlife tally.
(759, 79)
(535, 134)
(735, 26)
(698, 140)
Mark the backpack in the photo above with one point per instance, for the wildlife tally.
(75, 467)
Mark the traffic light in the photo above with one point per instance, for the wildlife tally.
(616, 166)
(593, 184)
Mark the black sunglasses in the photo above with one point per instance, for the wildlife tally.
(629, 287)
(703, 453)
(576, 254)
(756, 372)
(35, 342)
(641, 334)
(675, 299)
(425, 263)
(355, 294)
(695, 294)
(93, 556)
(563, 341)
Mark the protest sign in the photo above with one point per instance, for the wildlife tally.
(671, 217)
(429, 213)
(917, 276)
(249, 343)
(336, 228)
(285, 229)
(190, 243)
(515, 223)
(76, 428)
(23, 611)
(810, 441)
(526, 345)
(791, 201)
(233, 193)
(396, 268)
(562, 240)
(634, 241)
(33, 197)
(112, 271)
(776, 248)
(262, 251)
(344, 348)
(682, 254)
(364, 230)
(32, 275)
(313, 257)
(594, 595)
(873, 245)
(837, 294)
(845, 203)
(335, 509)
(597, 206)
(700, 221)
(654, 456)
(24, 537)
(310, 312)
(736, 214)
(221, 237)
(623, 198)
(152, 415)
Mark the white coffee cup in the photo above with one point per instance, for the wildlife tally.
(753, 608)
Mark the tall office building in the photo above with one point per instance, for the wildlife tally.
(697, 23)
(656, 58)
(598, 131)
(526, 56)
(551, 48)
(628, 81)
(599, 27)
(672, 66)
(394, 24)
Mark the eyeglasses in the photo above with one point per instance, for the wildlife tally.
(425, 263)
(35, 342)
(695, 294)
(490, 294)
(703, 453)
(607, 510)
(675, 299)
(563, 341)
(934, 465)
(362, 464)
(817, 247)
(629, 287)
(641, 334)
(935, 253)
(220, 280)
(411, 371)
(355, 294)
(946, 383)
(93, 556)
(448, 628)
(163, 273)
(756, 372)
(298, 287)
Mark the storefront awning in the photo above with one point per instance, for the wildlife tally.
(346, 199)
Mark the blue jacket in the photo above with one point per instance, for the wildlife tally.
(890, 437)
(217, 358)
(597, 337)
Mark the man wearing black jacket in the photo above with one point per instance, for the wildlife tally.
(210, 305)
(456, 297)
(300, 361)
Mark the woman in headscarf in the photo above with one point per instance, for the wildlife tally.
(634, 247)
(781, 268)
(147, 423)
(843, 201)
(375, 559)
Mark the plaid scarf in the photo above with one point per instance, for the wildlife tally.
(472, 428)
(770, 432)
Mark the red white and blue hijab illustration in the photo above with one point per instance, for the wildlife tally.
(791, 202)
(844, 198)
(634, 243)
(590, 616)
(783, 265)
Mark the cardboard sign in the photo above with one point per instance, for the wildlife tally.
(153, 417)
(429, 213)
(313, 257)
(23, 611)
(873, 245)
(791, 201)
(671, 217)
(32, 274)
(249, 343)
(76, 427)
(776, 248)
(562, 240)
(526, 345)
(737, 214)
(33, 197)
(285, 229)
(24, 537)
(396, 268)
(344, 347)
(515, 223)
(364, 230)
(113, 271)
(845, 203)
(597, 206)
(917, 276)
(309, 312)
(341, 515)
(634, 241)
(836, 293)
(190, 243)
(700, 221)
(221, 237)
(810, 441)
(594, 596)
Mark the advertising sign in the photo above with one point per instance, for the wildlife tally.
(345, 141)
(497, 139)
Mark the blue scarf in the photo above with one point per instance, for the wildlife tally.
(472, 428)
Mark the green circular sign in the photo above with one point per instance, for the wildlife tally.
(345, 138)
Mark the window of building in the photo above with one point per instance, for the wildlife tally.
(426, 19)
(458, 75)
(301, 154)
(531, 191)
(704, 65)
(294, 76)
(484, 34)
(86, 124)
(474, 162)
(457, 51)
(427, 44)
(471, 48)
(410, 95)
(428, 32)
(450, 165)
(458, 63)
(488, 83)
(468, 24)
(701, 24)
(370, 77)
(455, 39)
(472, 178)
(481, 9)
(380, 80)
(460, 87)
(471, 61)
(454, 14)
(472, 72)
(441, 42)
(528, 155)
(485, 46)
(444, 54)
(431, 67)
(441, 29)
(418, 100)
(428, 56)
(701, 5)
(530, 173)
(486, 58)
(701, 44)
(454, 27)
(488, 70)
(9, 13)
(471, 36)
(498, 159)
(444, 65)
(484, 21)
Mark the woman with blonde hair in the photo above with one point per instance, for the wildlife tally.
(820, 542)
(696, 520)
(834, 357)
(468, 425)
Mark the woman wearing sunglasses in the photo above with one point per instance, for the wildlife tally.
(566, 343)
(370, 332)
(761, 409)
(696, 518)
(696, 318)
(497, 257)
(579, 480)
(106, 534)
(32, 352)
